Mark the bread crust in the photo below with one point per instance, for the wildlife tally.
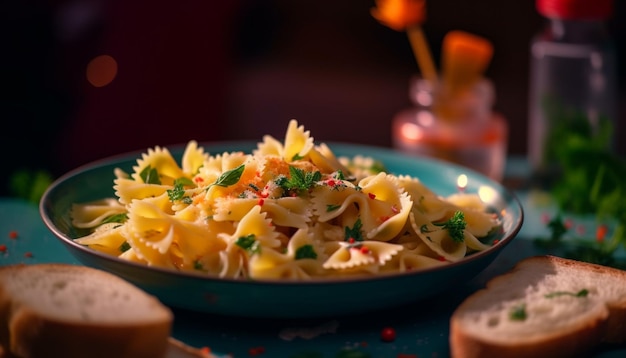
(607, 325)
(27, 333)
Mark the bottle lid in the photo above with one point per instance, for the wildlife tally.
(575, 9)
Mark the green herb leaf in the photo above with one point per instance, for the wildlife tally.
(248, 243)
(117, 218)
(150, 175)
(229, 177)
(332, 207)
(306, 252)
(125, 246)
(582, 293)
(455, 226)
(177, 193)
(354, 232)
(299, 180)
(518, 313)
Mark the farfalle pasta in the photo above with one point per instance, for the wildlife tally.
(288, 210)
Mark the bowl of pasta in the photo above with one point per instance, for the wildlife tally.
(282, 228)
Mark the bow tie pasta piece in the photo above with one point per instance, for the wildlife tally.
(363, 253)
(128, 190)
(413, 258)
(193, 158)
(301, 260)
(298, 142)
(157, 166)
(253, 232)
(108, 238)
(377, 201)
(291, 212)
(437, 238)
(90, 215)
(154, 233)
(326, 161)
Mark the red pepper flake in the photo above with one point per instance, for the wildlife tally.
(198, 179)
(388, 334)
(601, 232)
(351, 240)
(13, 234)
(331, 182)
(384, 218)
(496, 241)
(394, 209)
(261, 202)
(568, 224)
(441, 258)
(365, 250)
(371, 195)
(28, 254)
(255, 351)
(3, 248)
(406, 355)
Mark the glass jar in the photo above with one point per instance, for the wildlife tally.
(573, 88)
(460, 128)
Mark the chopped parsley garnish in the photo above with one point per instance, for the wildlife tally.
(306, 252)
(332, 207)
(582, 293)
(248, 243)
(125, 246)
(229, 177)
(296, 157)
(178, 193)
(518, 313)
(354, 232)
(197, 265)
(299, 180)
(455, 226)
(150, 175)
(340, 175)
(117, 218)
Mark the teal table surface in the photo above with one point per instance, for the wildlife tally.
(421, 328)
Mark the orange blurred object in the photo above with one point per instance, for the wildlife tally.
(465, 58)
(408, 15)
(101, 70)
(400, 14)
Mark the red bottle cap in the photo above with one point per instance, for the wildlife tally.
(575, 9)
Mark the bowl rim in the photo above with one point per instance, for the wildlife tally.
(336, 147)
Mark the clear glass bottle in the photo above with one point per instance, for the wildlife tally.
(573, 89)
(462, 129)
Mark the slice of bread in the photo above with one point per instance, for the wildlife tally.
(59, 310)
(545, 307)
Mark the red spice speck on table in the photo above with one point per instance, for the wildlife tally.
(13, 234)
(28, 254)
(388, 334)
(3, 248)
(254, 351)
(601, 232)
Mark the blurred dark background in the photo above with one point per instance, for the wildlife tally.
(232, 70)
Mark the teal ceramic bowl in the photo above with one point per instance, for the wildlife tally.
(284, 299)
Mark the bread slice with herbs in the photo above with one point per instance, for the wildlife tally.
(546, 306)
(59, 310)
